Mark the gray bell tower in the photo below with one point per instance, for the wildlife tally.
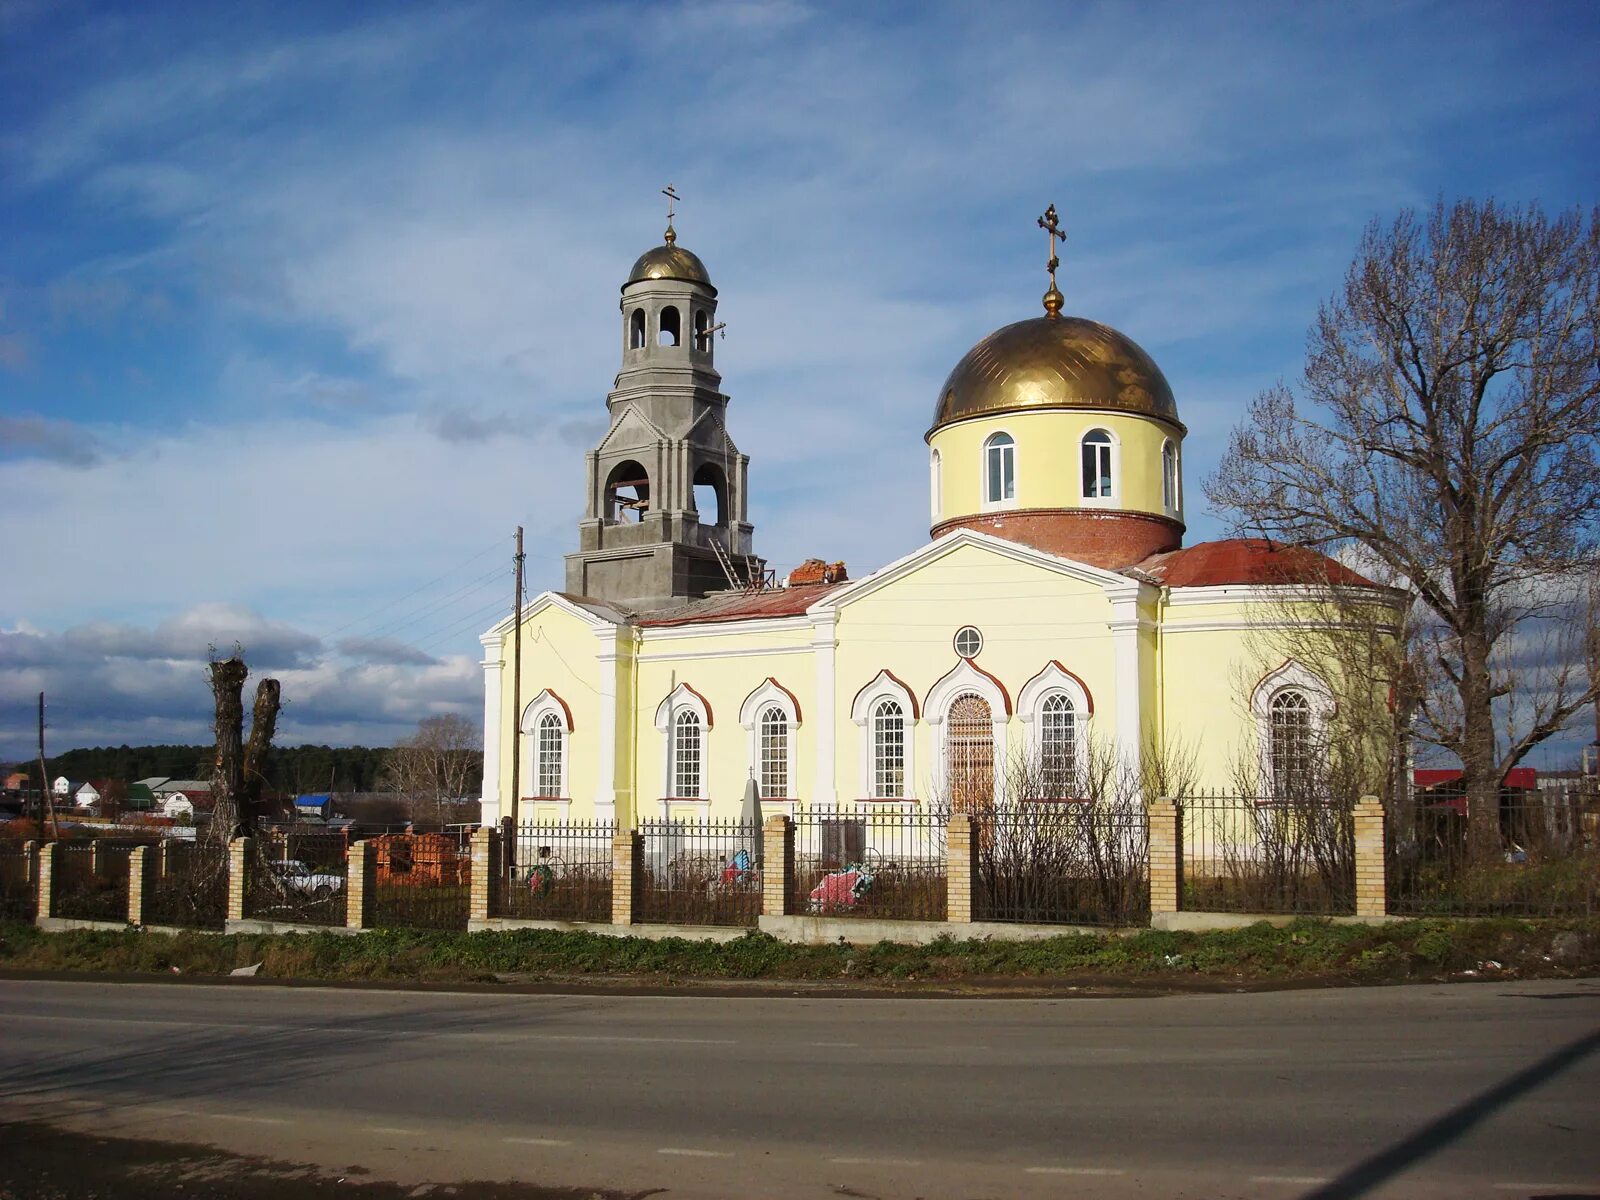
(666, 485)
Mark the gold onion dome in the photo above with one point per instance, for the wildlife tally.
(1055, 362)
(670, 261)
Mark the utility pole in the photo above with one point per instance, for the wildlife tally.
(46, 796)
(516, 702)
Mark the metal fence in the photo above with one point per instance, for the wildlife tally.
(188, 885)
(871, 862)
(90, 880)
(1249, 854)
(700, 873)
(420, 881)
(18, 891)
(1063, 862)
(297, 877)
(1541, 859)
(558, 872)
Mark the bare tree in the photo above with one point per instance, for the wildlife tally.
(236, 773)
(435, 766)
(1449, 428)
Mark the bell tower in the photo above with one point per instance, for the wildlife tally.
(666, 499)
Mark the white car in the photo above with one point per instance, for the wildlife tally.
(295, 876)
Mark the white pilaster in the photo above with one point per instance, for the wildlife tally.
(494, 721)
(1128, 657)
(605, 791)
(825, 722)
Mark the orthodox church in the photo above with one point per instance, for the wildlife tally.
(1054, 607)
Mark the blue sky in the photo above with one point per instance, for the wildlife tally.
(303, 307)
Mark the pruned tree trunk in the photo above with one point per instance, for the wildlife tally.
(263, 725)
(236, 774)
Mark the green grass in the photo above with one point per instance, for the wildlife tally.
(1307, 949)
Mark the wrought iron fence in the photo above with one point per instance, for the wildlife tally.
(189, 885)
(297, 877)
(869, 861)
(420, 881)
(18, 891)
(90, 881)
(1252, 854)
(700, 873)
(1067, 862)
(1541, 858)
(558, 872)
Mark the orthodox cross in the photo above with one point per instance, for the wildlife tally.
(1049, 224)
(672, 200)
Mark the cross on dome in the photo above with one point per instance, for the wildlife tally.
(1053, 299)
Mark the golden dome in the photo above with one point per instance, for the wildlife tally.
(1055, 362)
(670, 261)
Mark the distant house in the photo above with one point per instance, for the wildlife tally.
(314, 804)
(14, 782)
(88, 795)
(64, 787)
(183, 799)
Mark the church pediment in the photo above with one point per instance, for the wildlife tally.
(631, 428)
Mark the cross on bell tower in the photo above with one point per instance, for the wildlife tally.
(666, 513)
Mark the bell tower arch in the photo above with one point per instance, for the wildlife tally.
(666, 486)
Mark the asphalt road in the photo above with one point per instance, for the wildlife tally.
(1486, 1090)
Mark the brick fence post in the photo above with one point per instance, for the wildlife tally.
(47, 880)
(1166, 856)
(360, 883)
(483, 869)
(627, 869)
(1372, 897)
(141, 881)
(238, 867)
(961, 867)
(30, 865)
(777, 865)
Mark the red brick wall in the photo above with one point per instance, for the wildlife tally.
(1099, 537)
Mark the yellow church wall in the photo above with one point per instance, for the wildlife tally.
(1204, 713)
(558, 653)
(1048, 460)
(723, 663)
(1028, 615)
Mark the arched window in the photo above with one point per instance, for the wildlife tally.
(969, 753)
(1290, 750)
(627, 492)
(888, 751)
(702, 340)
(1169, 476)
(934, 482)
(774, 734)
(636, 330)
(547, 756)
(710, 494)
(671, 326)
(1097, 478)
(1000, 469)
(686, 775)
(1058, 746)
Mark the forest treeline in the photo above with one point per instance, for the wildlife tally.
(294, 769)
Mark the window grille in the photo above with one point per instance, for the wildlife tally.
(970, 748)
(549, 756)
(686, 755)
(1058, 751)
(888, 751)
(774, 730)
(1290, 741)
(968, 642)
(1097, 465)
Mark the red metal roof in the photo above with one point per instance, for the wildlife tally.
(1247, 561)
(743, 606)
(1522, 779)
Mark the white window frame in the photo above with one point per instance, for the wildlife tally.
(964, 678)
(771, 693)
(681, 698)
(983, 462)
(884, 686)
(546, 703)
(935, 483)
(1055, 680)
(1115, 448)
(1291, 676)
(1171, 498)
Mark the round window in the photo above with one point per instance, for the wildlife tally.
(968, 642)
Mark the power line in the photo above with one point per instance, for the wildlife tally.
(495, 545)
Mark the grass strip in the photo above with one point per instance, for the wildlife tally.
(1305, 949)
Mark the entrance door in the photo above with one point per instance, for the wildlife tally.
(969, 751)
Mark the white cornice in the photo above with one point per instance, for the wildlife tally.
(758, 626)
